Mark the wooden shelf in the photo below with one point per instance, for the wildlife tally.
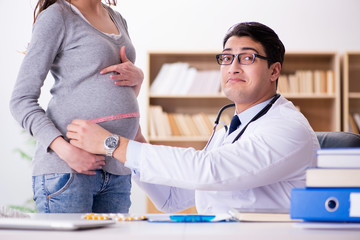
(187, 96)
(179, 138)
(322, 110)
(354, 95)
(287, 95)
(351, 87)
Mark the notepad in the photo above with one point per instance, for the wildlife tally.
(261, 215)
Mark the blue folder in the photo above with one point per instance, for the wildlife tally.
(325, 204)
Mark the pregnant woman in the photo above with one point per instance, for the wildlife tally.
(79, 42)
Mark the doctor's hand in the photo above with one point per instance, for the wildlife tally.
(128, 73)
(87, 135)
(90, 137)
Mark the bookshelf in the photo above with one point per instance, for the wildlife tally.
(351, 90)
(184, 104)
(321, 109)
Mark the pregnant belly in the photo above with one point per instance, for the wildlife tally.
(115, 109)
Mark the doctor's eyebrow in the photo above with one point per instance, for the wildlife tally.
(243, 49)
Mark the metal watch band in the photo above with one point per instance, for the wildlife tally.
(110, 151)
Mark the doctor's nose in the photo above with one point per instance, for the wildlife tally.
(235, 67)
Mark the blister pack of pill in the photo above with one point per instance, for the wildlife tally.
(114, 216)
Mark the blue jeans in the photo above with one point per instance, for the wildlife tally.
(79, 193)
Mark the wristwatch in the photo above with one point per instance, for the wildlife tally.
(110, 144)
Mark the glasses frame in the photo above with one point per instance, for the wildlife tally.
(237, 56)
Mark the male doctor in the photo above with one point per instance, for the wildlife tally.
(254, 166)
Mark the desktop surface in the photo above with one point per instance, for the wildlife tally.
(145, 230)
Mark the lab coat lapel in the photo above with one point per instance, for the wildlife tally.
(228, 139)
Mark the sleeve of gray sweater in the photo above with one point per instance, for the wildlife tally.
(47, 37)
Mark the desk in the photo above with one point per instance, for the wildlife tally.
(144, 230)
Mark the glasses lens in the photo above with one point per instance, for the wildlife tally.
(246, 58)
(225, 59)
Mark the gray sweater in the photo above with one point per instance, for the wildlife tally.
(74, 52)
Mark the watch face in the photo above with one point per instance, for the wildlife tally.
(111, 142)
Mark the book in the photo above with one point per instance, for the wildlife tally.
(325, 204)
(177, 75)
(353, 127)
(333, 177)
(198, 121)
(173, 125)
(338, 158)
(158, 83)
(330, 82)
(208, 121)
(190, 124)
(180, 120)
(283, 85)
(328, 225)
(160, 121)
(356, 117)
(261, 215)
(152, 127)
(294, 84)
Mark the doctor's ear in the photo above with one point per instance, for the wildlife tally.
(275, 69)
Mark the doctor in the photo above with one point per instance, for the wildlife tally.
(254, 166)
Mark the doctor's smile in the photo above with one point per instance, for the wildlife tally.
(235, 80)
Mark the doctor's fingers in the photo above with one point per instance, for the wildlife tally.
(77, 129)
(72, 135)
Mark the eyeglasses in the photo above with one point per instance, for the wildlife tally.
(243, 58)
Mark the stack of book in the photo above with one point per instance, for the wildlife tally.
(164, 124)
(332, 192)
(181, 79)
(308, 82)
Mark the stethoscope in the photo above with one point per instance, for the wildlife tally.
(257, 116)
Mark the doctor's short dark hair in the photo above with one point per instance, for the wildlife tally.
(261, 33)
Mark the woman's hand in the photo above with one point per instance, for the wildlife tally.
(128, 73)
(87, 135)
(78, 159)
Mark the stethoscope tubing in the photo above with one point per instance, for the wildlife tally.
(257, 116)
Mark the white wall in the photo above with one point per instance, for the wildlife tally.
(194, 25)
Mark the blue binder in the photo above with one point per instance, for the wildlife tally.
(324, 204)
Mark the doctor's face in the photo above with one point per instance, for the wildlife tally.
(247, 85)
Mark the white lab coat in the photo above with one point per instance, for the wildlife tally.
(257, 171)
